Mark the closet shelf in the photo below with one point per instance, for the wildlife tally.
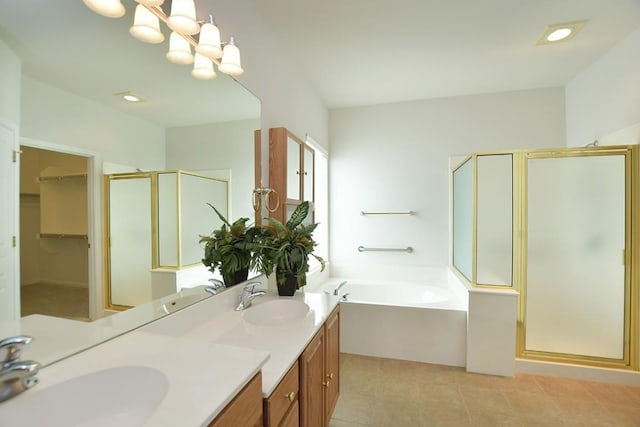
(63, 236)
(61, 177)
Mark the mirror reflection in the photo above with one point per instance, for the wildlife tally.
(74, 129)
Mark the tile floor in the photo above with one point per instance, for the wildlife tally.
(386, 392)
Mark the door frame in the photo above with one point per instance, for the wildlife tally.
(94, 210)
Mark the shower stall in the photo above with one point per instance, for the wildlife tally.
(560, 226)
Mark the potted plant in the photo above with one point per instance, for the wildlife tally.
(286, 247)
(230, 249)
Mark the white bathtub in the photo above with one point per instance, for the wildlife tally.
(420, 321)
(402, 294)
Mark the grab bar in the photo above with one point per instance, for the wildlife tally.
(408, 249)
(387, 213)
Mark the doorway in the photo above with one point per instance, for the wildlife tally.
(54, 244)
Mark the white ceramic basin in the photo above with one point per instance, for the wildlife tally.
(275, 312)
(120, 396)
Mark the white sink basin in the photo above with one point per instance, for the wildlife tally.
(275, 312)
(122, 396)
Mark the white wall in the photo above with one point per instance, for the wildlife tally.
(605, 97)
(287, 97)
(10, 74)
(53, 115)
(394, 157)
(227, 145)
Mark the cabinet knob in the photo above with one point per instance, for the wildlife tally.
(291, 396)
(330, 376)
(326, 384)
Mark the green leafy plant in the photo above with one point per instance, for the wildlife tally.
(230, 249)
(286, 247)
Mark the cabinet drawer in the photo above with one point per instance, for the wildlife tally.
(285, 394)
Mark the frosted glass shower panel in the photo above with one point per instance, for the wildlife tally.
(130, 241)
(168, 219)
(197, 218)
(494, 221)
(575, 299)
(463, 219)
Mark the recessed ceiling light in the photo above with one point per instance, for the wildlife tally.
(560, 32)
(129, 97)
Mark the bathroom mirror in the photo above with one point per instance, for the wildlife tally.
(74, 60)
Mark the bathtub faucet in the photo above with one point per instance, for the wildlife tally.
(335, 291)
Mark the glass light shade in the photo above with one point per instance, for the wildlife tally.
(146, 26)
(230, 63)
(108, 8)
(183, 17)
(179, 50)
(151, 3)
(203, 68)
(209, 41)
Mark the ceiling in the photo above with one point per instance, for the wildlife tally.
(363, 52)
(353, 52)
(66, 45)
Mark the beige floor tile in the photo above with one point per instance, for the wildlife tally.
(565, 387)
(614, 394)
(526, 404)
(444, 416)
(624, 416)
(338, 423)
(483, 401)
(385, 392)
(490, 419)
(576, 412)
(355, 408)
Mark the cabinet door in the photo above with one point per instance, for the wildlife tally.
(307, 174)
(292, 418)
(245, 410)
(312, 384)
(332, 361)
(293, 169)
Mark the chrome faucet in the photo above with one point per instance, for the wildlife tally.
(16, 375)
(248, 294)
(216, 286)
(335, 291)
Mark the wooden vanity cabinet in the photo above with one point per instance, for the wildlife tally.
(281, 408)
(245, 410)
(320, 374)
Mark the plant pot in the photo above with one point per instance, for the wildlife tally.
(237, 277)
(288, 288)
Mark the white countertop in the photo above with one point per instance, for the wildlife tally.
(284, 342)
(202, 377)
(207, 351)
(215, 321)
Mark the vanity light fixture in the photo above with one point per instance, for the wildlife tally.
(146, 26)
(179, 50)
(108, 8)
(560, 32)
(182, 20)
(203, 68)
